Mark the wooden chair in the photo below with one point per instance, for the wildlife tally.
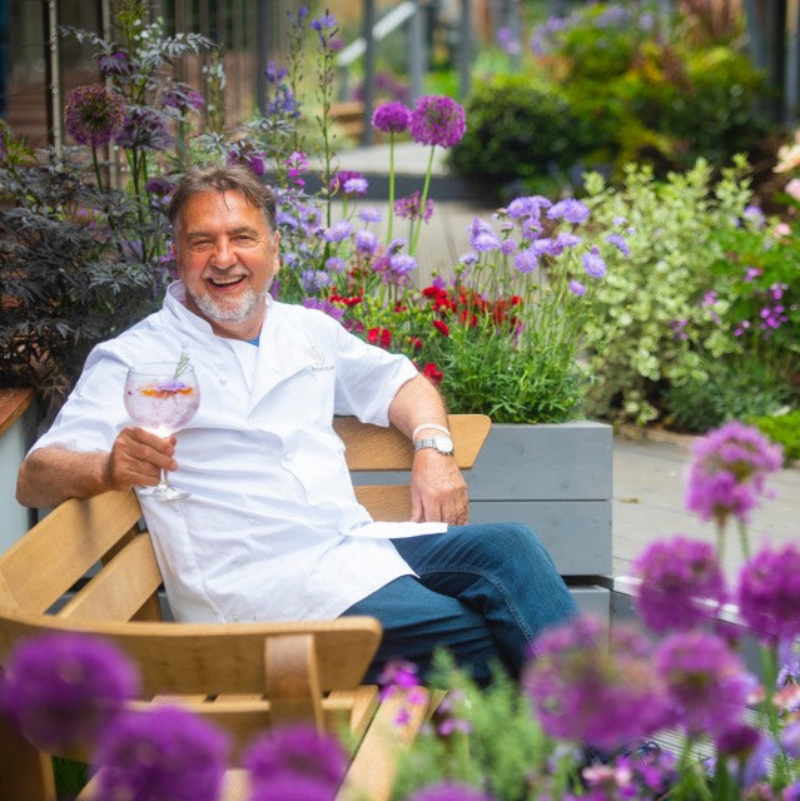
(242, 676)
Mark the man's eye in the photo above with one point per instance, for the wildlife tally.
(200, 244)
(244, 238)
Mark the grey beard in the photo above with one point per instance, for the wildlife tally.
(221, 312)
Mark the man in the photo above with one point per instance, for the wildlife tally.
(272, 529)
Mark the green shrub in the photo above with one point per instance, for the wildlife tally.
(784, 429)
(515, 130)
(732, 389)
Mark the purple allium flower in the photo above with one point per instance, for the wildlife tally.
(526, 261)
(366, 242)
(728, 471)
(410, 207)
(159, 185)
(117, 63)
(706, 682)
(340, 181)
(391, 117)
(577, 288)
(587, 692)
(338, 231)
(678, 577)
(182, 98)
(769, 593)
(93, 114)
(298, 752)
(449, 791)
(619, 241)
(63, 690)
(593, 263)
(164, 754)
(143, 128)
(437, 121)
(370, 215)
(571, 210)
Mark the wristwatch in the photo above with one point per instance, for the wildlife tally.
(442, 444)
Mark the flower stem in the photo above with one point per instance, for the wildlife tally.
(97, 173)
(744, 539)
(391, 188)
(413, 245)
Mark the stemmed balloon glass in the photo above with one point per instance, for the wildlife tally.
(162, 397)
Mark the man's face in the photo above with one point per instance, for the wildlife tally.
(227, 257)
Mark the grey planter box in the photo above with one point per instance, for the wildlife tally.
(557, 479)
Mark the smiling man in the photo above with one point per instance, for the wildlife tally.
(272, 528)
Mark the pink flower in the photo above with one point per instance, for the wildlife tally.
(438, 121)
(391, 117)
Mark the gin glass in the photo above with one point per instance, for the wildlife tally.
(162, 397)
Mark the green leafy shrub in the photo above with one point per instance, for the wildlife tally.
(516, 130)
(655, 323)
(784, 429)
(733, 388)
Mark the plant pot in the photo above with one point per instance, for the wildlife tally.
(557, 479)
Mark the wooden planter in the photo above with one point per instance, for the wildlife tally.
(16, 407)
(557, 479)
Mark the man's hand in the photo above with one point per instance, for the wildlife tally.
(137, 458)
(438, 490)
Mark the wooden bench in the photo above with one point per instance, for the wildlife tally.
(242, 676)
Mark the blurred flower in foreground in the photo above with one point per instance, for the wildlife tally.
(164, 754)
(593, 685)
(63, 690)
(681, 584)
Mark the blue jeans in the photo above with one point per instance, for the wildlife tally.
(484, 593)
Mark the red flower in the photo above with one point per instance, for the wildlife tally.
(442, 327)
(415, 342)
(433, 372)
(380, 336)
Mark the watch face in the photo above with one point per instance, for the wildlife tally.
(444, 444)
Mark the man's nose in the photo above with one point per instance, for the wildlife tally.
(223, 254)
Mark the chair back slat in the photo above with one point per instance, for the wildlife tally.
(120, 590)
(43, 564)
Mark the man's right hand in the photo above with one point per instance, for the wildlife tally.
(137, 458)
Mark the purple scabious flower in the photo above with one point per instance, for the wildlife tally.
(482, 236)
(769, 593)
(678, 578)
(340, 180)
(115, 64)
(728, 470)
(577, 288)
(437, 121)
(401, 264)
(366, 242)
(312, 280)
(587, 692)
(338, 231)
(143, 128)
(449, 791)
(706, 682)
(410, 207)
(355, 186)
(93, 114)
(526, 261)
(164, 754)
(619, 242)
(63, 690)
(324, 306)
(508, 246)
(593, 263)
(567, 240)
(300, 753)
(371, 215)
(571, 210)
(335, 264)
(391, 117)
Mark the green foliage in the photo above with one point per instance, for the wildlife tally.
(782, 428)
(515, 129)
(733, 388)
(611, 88)
(652, 316)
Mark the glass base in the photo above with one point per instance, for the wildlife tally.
(168, 493)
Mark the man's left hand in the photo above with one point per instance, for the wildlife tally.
(438, 490)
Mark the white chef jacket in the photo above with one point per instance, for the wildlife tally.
(264, 534)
